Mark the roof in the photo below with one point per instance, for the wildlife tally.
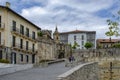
(77, 31)
(108, 40)
(20, 16)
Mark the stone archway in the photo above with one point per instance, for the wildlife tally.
(61, 55)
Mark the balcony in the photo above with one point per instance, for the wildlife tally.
(23, 48)
(15, 31)
(18, 47)
(23, 34)
(2, 26)
(15, 46)
(2, 43)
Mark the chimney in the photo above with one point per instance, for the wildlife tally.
(8, 4)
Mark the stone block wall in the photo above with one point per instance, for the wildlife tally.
(87, 71)
(10, 68)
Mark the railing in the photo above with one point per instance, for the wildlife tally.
(31, 49)
(2, 25)
(1, 42)
(19, 46)
(28, 35)
(17, 30)
(23, 47)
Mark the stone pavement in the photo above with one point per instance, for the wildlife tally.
(48, 73)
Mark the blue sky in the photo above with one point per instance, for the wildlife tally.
(67, 14)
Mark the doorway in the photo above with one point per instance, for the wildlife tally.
(13, 58)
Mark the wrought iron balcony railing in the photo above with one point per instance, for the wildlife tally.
(23, 47)
(1, 42)
(26, 34)
(2, 26)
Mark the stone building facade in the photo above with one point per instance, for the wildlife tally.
(51, 48)
(106, 43)
(18, 36)
(46, 46)
(19, 41)
(62, 49)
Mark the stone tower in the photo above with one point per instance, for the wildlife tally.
(56, 35)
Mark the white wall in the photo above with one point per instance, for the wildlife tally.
(78, 39)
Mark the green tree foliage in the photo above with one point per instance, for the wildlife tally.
(116, 45)
(40, 34)
(113, 29)
(88, 45)
(113, 26)
(75, 45)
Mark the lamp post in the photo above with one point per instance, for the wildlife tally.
(111, 73)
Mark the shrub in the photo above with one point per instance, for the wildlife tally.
(88, 45)
(4, 61)
(40, 34)
(116, 45)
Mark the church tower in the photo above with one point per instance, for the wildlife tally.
(56, 35)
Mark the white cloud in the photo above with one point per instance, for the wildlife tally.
(84, 5)
(34, 10)
(67, 14)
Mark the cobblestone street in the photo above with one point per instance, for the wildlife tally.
(47, 73)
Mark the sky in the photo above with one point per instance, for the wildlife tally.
(68, 15)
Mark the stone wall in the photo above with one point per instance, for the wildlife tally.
(11, 68)
(87, 71)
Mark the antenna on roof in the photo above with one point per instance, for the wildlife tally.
(8, 4)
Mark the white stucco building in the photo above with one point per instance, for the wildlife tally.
(80, 37)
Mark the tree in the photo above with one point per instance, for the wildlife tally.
(75, 45)
(113, 29)
(88, 45)
(113, 26)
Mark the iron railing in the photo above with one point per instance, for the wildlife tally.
(17, 30)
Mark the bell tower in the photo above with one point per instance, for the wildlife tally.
(56, 35)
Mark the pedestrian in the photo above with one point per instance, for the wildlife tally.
(72, 58)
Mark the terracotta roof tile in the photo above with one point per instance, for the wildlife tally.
(108, 40)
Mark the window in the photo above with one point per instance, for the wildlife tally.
(82, 42)
(21, 57)
(27, 45)
(14, 25)
(0, 54)
(0, 37)
(82, 37)
(75, 37)
(22, 29)
(33, 47)
(21, 43)
(27, 58)
(0, 21)
(27, 32)
(82, 47)
(33, 35)
(14, 41)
